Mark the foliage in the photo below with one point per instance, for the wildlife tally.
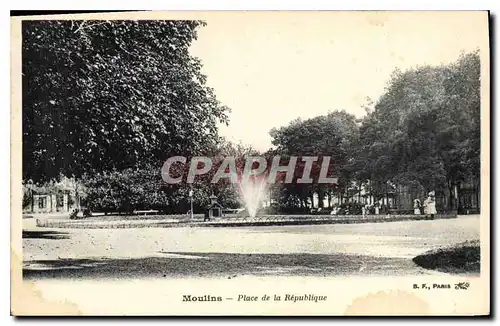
(333, 135)
(111, 95)
(425, 129)
(106, 102)
(143, 188)
(423, 134)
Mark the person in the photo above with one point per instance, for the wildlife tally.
(430, 205)
(416, 206)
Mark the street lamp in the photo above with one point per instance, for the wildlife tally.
(191, 202)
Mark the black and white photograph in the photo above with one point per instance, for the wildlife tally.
(251, 163)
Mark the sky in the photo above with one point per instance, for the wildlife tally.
(273, 67)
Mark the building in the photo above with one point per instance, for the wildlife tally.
(51, 203)
(214, 209)
(51, 197)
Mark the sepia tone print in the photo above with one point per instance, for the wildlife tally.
(176, 149)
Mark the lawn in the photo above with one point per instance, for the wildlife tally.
(460, 258)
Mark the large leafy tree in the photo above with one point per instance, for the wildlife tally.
(425, 130)
(333, 135)
(110, 95)
(400, 134)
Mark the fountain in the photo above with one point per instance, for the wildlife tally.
(252, 192)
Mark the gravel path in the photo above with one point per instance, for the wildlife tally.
(371, 248)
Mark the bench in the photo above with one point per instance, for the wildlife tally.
(146, 212)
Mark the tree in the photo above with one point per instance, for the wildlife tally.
(332, 135)
(424, 132)
(110, 95)
(143, 188)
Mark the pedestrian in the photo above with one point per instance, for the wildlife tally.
(430, 205)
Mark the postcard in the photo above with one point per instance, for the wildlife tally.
(251, 163)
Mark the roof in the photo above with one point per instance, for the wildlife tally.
(215, 204)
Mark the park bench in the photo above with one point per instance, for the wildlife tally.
(146, 212)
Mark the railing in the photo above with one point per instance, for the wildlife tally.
(235, 221)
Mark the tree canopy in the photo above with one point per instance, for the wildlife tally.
(425, 128)
(105, 103)
(423, 133)
(110, 95)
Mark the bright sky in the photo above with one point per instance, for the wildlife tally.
(271, 68)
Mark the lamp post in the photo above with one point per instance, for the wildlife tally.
(191, 203)
(30, 187)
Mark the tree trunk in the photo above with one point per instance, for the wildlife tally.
(455, 196)
(32, 201)
(452, 195)
(386, 195)
(371, 199)
(77, 199)
(478, 204)
(321, 196)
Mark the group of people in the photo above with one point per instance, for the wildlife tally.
(428, 208)
(371, 209)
